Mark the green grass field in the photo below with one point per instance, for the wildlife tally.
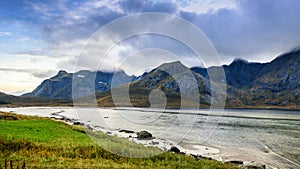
(44, 143)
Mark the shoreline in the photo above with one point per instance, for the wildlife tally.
(167, 108)
(197, 151)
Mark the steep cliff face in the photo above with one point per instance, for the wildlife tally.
(283, 73)
(241, 74)
(274, 83)
(278, 83)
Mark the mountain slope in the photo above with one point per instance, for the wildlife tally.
(58, 86)
(178, 83)
(278, 83)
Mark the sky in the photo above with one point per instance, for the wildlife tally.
(39, 37)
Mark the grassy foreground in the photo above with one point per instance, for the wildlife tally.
(44, 143)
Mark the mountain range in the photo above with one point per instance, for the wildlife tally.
(273, 84)
(60, 86)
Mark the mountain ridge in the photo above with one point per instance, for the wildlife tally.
(248, 83)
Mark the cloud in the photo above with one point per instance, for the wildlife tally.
(24, 39)
(152, 49)
(79, 22)
(205, 6)
(36, 73)
(5, 34)
(71, 20)
(249, 29)
(137, 6)
(255, 30)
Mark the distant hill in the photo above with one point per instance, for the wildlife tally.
(276, 83)
(6, 99)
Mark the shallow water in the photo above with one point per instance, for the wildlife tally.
(268, 136)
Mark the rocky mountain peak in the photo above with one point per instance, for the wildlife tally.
(173, 67)
(62, 72)
(239, 61)
(175, 64)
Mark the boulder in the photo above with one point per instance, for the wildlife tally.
(235, 162)
(255, 167)
(78, 123)
(126, 131)
(175, 149)
(198, 157)
(144, 135)
(90, 127)
(155, 143)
